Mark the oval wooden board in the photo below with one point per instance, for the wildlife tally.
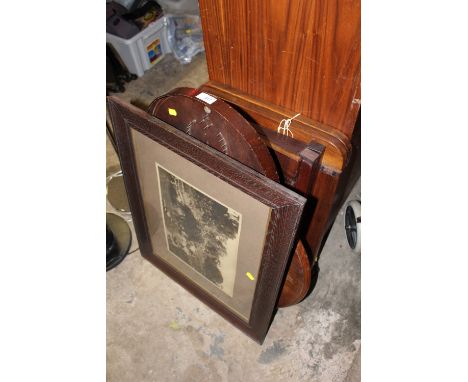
(214, 122)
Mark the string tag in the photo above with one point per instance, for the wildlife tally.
(283, 127)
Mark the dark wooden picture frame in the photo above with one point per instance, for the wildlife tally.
(285, 210)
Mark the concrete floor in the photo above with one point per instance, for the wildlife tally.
(156, 331)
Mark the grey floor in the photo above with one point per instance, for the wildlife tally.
(156, 331)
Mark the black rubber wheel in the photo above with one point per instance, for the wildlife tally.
(352, 223)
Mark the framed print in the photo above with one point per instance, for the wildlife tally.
(218, 228)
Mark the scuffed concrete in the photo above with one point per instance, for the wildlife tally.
(156, 331)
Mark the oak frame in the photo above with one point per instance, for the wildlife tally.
(286, 209)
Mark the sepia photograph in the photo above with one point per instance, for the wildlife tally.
(199, 230)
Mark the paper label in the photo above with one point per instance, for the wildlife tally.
(206, 98)
(154, 51)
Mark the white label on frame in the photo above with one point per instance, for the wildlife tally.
(206, 98)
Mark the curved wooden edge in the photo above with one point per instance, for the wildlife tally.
(265, 165)
(184, 91)
(337, 145)
(298, 278)
(286, 209)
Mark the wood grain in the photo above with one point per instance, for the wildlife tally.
(286, 209)
(267, 115)
(221, 127)
(302, 55)
(218, 125)
(298, 278)
(273, 59)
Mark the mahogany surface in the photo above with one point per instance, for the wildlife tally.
(273, 59)
(217, 125)
(298, 279)
(286, 208)
(301, 55)
(269, 116)
(224, 129)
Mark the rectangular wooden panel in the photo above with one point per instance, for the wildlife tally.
(302, 55)
(204, 182)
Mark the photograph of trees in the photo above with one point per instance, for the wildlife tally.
(199, 230)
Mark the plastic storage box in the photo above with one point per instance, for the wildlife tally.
(181, 7)
(143, 50)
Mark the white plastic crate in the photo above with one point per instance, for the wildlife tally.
(143, 50)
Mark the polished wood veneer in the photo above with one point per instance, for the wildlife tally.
(272, 59)
(301, 55)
